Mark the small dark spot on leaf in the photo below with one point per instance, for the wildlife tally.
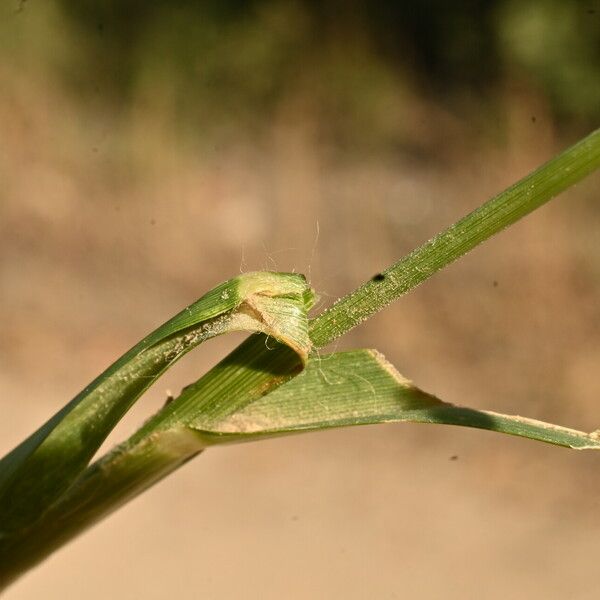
(454, 457)
(591, 11)
(533, 118)
(100, 27)
(152, 221)
(495, 283)
(378, 277)
(94, 149)
(294, 517)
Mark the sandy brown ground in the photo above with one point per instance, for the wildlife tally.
(106, 231)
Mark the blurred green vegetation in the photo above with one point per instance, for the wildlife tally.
(359, 67)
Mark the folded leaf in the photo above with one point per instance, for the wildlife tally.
(41, 468)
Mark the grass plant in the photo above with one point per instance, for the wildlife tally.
(275, 383)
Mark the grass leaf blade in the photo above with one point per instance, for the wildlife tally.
(361, 388)
(496, 214)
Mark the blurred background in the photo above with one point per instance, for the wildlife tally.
(151, 149)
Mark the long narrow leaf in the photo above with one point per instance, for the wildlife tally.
(504, 209)
(360, 388)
